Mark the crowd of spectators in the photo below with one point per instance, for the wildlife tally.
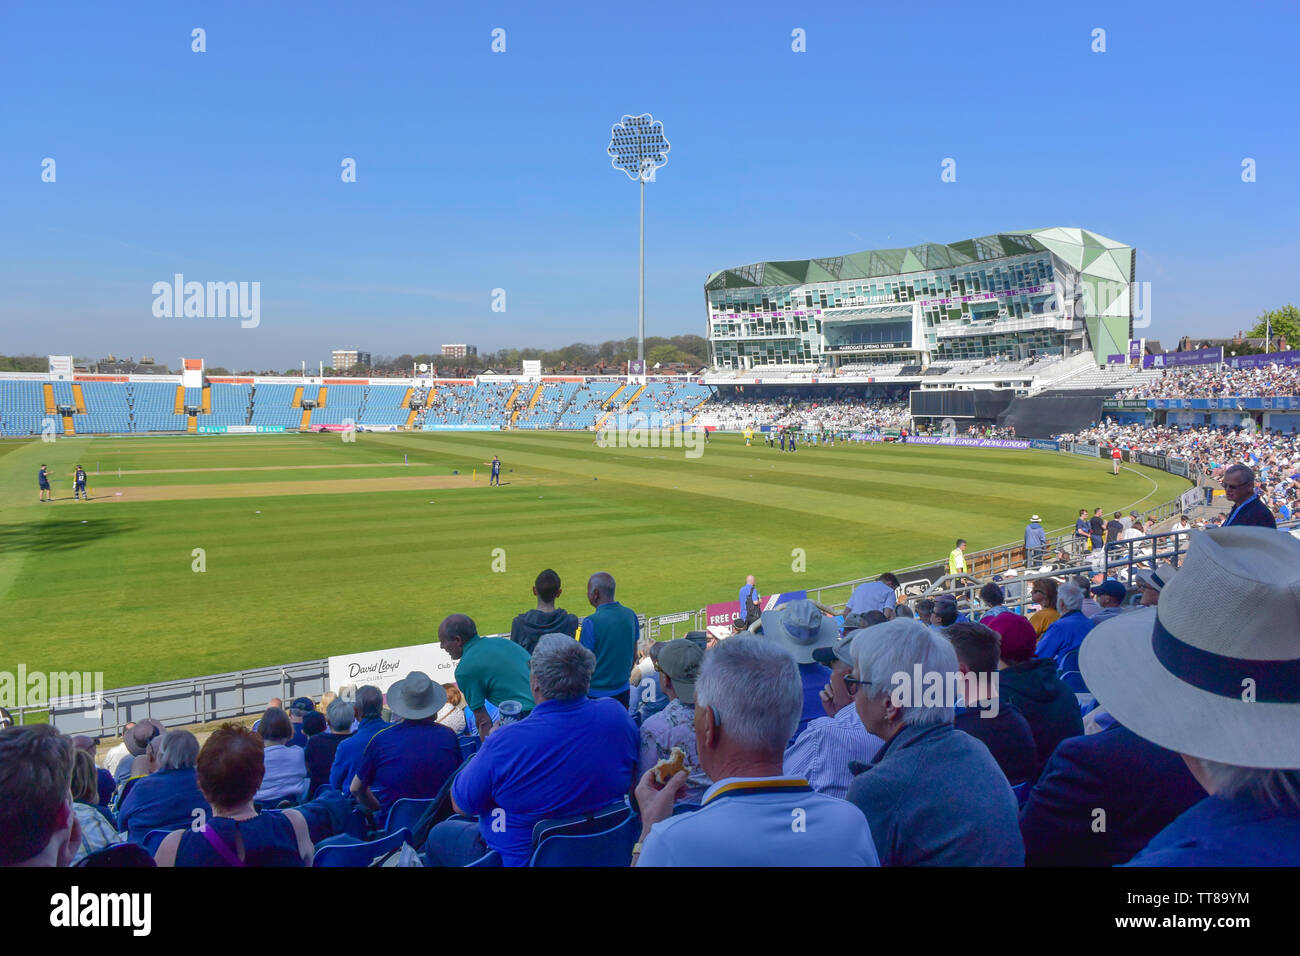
(845, 415)
(1210, 451)
(903, 733)
(1219, 381)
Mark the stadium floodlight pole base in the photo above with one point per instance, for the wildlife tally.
(640, 316)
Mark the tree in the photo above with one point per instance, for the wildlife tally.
(1284, 321)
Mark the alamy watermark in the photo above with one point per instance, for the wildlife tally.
(643, 430)
(65, 691)
(213, 300)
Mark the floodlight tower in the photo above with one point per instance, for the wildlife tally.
(637, 146)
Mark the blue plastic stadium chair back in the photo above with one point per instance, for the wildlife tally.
(468, 747)
(118, 855)
(1021, 791)
(406, 813)
(580, 824)
(359, 854)
(611, 847)
(490, 858)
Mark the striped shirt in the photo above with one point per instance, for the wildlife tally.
(821, 754)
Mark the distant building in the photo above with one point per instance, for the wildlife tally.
(347, 359)
(459, 351)
(1042, 292)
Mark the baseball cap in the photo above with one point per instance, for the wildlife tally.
(302, 705)
(680, 660)
(839, 651)
(1111, 588)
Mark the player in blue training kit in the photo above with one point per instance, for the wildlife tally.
(496, 472)
(79, 484)
(44, 481)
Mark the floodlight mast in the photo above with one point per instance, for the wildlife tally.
(637, 146)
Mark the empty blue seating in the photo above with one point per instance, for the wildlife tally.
(22, 408)
(359, 854)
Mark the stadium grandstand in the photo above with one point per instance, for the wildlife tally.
(1017, 295)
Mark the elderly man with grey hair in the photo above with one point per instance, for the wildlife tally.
(321, 748)
(933, 795)
(1062, 640)
(168, 798)
(748, 700)
(1248, 510)
(572, 755)
(367, 712)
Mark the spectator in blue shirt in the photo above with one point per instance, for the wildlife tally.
(412, 758)
(610, 632)
(749, 604)
(167, 798)
(801, 627)
(748, 704)
(878, 595)
(367, 707)
(1062, 640)
(299, 709)
(572, 755)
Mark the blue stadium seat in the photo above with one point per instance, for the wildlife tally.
(406, 813)
(490, 858)
(360, 854)
(610, 847)
(584, 823)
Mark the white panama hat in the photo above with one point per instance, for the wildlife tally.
(1213, 671)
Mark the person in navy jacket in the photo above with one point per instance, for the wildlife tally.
(1239, 488)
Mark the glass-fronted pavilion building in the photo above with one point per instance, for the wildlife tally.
(1016, 294)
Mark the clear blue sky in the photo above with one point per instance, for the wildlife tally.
(479, 170)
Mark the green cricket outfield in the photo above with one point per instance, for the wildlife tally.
(198, 554)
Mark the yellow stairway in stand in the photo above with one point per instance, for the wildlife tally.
(297, 397)
(533, 400)
(406, 399)
(192, 425)
(68, 428)
(410, 419)
(50, 407)
(306, 418)
(79, 399)
(609, 402)
(320, 399)
(628, 403)
(207, 399)
(180, 400)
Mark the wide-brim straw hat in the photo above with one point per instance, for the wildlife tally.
(1213, 671)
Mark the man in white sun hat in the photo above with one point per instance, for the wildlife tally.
(1214, 675)
(801, 627)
